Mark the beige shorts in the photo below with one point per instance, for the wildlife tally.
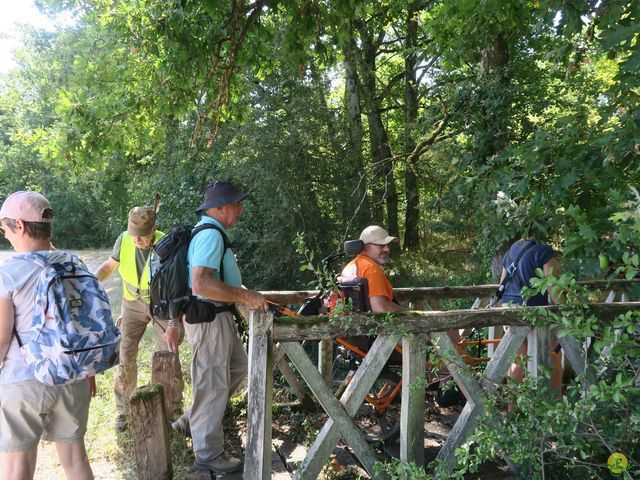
(31, 410)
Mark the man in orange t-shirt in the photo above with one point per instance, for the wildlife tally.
(367, 264)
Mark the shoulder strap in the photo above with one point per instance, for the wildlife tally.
(15, 332)
(225, 242)
(511, 270)
(513, 267)
(42, 262)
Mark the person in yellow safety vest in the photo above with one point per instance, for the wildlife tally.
(130, 256)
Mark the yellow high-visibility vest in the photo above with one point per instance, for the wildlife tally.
(132, 288)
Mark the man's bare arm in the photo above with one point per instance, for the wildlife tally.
(204, 285)
(502, 275)
(106, 269)
(380, 304)
(6, 326)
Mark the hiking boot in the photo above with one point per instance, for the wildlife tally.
(122, 423)
(225, 463)
(203, 474)
(182, 427)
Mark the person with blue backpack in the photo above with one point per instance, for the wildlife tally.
(56, 333)
(218, 358)
(130, 256)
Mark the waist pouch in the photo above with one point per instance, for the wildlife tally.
(199, 311)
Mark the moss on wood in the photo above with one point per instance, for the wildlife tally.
(146, 392)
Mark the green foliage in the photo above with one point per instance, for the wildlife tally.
(546, 148)
(574, 436)
(325, 276)
(599, 412)
(533, 107)
(397, 470)
(526, 114)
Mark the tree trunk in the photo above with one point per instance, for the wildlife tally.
(495, 124)
(391, 193)
(496, 262)
(495, 58)
(383, 183)
(354, 120)
(411, 189)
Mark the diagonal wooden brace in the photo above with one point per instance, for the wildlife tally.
(340, 412)
(575, 353)
(296, 385)
(495, 371)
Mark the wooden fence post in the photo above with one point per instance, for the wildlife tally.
(150, 433)
(325, 361)
(412, 407)
(539, 350)
(257, 462)
(163, 371)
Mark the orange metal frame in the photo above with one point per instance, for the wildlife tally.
(380, 402)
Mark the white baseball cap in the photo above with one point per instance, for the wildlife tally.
(377, 235)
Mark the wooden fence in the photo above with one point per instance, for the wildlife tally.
(269, 337)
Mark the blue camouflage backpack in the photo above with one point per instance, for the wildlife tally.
(72, 332)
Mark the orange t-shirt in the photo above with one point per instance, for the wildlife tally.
(377, 282)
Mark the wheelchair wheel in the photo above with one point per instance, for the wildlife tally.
(379, 416)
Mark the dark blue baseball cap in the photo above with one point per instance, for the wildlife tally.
(219, 193)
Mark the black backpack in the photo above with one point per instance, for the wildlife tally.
(356, 289)
(169, 280)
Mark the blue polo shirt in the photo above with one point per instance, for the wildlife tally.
(205, 250)
(533, 258)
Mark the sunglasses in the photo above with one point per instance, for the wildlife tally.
(144, 237)
(7, 222)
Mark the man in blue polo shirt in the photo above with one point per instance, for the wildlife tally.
(534, 255)
(219, 361)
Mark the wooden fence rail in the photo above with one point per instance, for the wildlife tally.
(265, 331)
(421, 294)
(286, 329)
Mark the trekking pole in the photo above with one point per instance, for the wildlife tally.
(282, 310)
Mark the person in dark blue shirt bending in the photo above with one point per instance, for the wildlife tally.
(536, 255)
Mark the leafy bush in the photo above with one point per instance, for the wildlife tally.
(599, 413)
